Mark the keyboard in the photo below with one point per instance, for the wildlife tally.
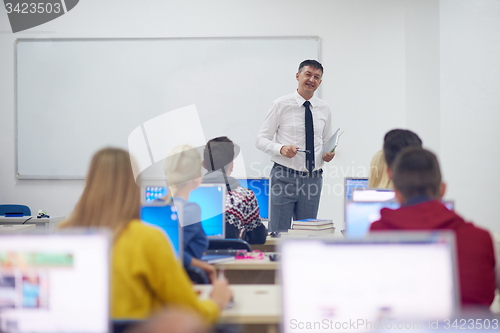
(229, 252)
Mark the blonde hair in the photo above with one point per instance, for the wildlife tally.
(111, 197)
(182, 165)
(378, 172)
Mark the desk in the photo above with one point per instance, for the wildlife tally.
(44, 223)
(254, 305)
(13, 228)
(250, 271)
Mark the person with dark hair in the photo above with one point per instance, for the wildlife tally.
(242, 209)
(294, 132)
(397, 139)
(419, 189)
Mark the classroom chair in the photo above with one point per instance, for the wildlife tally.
(18, 210)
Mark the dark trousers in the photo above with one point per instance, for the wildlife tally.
(294, 194)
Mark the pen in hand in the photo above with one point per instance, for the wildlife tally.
(302, 151)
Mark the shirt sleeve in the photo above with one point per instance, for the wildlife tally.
(194, 237)
(267, 132)
(170, 282)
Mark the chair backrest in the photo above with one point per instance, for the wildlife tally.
(197, 275)
(228, 244)
(19, 209)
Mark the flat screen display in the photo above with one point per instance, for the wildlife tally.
(54, 283)
(166, 218)
(362, 283)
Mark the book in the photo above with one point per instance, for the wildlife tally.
(332, 142)
(309, 222)
(312, 227)
(311, 232)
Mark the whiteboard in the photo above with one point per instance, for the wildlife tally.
(76, 96)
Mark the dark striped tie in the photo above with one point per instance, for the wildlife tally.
(309, 138)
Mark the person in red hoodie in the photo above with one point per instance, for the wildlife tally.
(417, 181)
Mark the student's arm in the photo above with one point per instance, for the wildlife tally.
(194, 237)
(169, 282)
(207, 268)
(187, 235)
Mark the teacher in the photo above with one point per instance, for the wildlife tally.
(293, 133)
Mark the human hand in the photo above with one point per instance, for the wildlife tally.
(210, 271)
(327, 157)
(289, 151)
(221, 294)
(207, 268)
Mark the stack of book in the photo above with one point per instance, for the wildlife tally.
(312, 227)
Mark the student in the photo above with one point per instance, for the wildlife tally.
(378, 172)
(183, 171)
(145, 275)
(394, 141)
(242, 209)
(419, 189)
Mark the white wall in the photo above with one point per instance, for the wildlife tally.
(470, 107)
(382, 64)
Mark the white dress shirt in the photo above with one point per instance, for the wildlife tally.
(285, 125)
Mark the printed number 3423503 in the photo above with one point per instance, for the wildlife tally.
(464, 324)
(32, 8)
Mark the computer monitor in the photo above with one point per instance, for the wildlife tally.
(212, 200)
(361, 214)
(261, 188)
(210, 197)
(154, 193)
(168, 217)
(328, 283)
(353, 183)
(54, 282)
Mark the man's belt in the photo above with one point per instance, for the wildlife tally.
(315, 173)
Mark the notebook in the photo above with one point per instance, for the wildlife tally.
(386, 276)
(361, 214)
(353, 183)
(55, 282)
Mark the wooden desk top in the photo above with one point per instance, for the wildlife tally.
(30, 219)
(253, 304)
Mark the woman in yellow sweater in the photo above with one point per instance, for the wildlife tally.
(145, 275)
